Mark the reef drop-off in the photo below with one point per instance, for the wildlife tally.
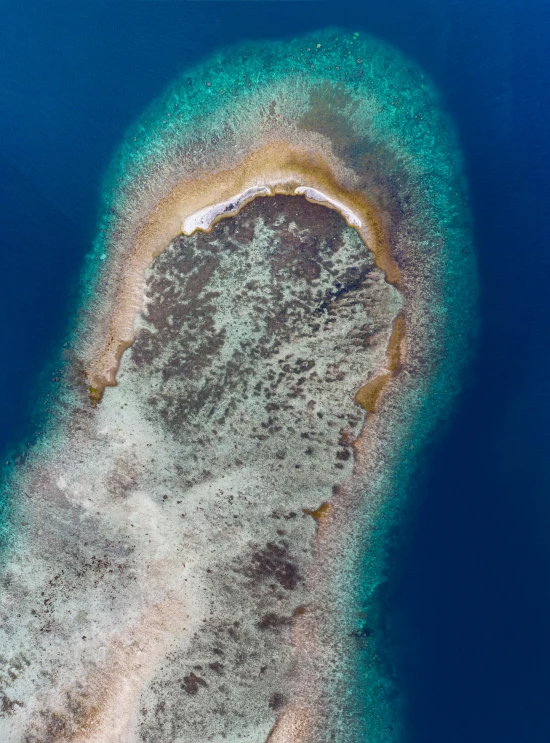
(275, 315)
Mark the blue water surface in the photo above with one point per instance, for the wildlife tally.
(469, 596)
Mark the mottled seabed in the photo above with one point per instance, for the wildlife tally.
(196, 545)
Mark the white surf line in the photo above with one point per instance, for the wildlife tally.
(319, 197)
(203, 219)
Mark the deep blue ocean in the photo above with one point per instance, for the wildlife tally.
(469, 596)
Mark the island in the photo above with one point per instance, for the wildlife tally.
(274, 319)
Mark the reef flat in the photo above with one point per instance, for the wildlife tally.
(274, 317)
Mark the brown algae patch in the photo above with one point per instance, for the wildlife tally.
(321, 513)
(368, 395)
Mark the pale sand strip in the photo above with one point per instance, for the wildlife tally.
(293, 726)
(204, 218)
(318, 197)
